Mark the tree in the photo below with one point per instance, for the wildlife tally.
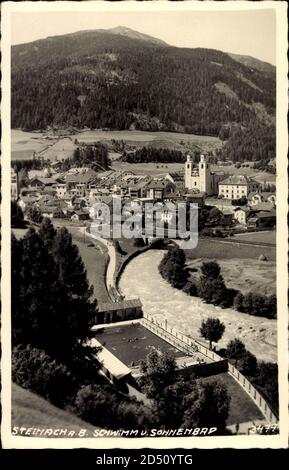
(191, 289)
(238, 302)
(211, 270)
(78, 311)
(47, 233)
(165, 387)
(173, 267)
(249, 363)
(104, 406)
(208, 408)
(17, 217)
(34, 214)
(159, 371)
(52, 307)
(212, 330)
(213, 291)
(235, 350)
(34, 301)
(34, 370)
(212, 288)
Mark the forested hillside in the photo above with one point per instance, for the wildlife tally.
(102, 79)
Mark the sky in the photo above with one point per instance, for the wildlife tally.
(242, 32)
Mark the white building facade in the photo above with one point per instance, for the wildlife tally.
(237, 186)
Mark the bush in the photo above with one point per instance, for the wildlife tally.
(103, 406)
(248, 364)
(191, 289)
(34, 370)
(173, 268)
(256, 304)
(17, 217)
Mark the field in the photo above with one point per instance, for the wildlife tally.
(257, 237)
(141, 138)
(94, 256)
(261, 176)
(31, 410)
(132, 343)
(244, 274)
(227, 249)
(242, 408)
(24, 144)
(240, 265)
(151, 169)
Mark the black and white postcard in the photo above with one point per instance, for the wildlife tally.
(144, 225)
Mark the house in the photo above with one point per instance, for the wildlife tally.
(262, 220)
(195, 198)
(60, 189)
(79, 215)
(226, 218)
(46, 200)
(175, 177)
(158, 189)
(14, 185)
(237, 186)
(241, 214)
(96, 211)
(221, 204)
(40, 183)
(77, 203)
(255, 199)
(138, 189)
(201, 178)
(26, 201)
(52, 212)
(119, 311)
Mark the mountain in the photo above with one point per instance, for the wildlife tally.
(122, 79)
(257, 64)
(130, 33)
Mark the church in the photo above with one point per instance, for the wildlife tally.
(200, 178)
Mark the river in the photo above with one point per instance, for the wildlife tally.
(141, 279)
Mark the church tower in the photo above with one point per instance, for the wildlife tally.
(188, 172)
(206, 183)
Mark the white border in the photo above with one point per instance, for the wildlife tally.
(279, 441)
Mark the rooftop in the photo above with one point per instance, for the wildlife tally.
(239, 179)
(110, 307)
(117, 368)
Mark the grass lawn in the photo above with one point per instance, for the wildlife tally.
(132, 343)
(257, 237)
(242, 407)
(216, 249)
(31, 410)
(94, 258)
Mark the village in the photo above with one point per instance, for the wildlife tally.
(240, 203)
